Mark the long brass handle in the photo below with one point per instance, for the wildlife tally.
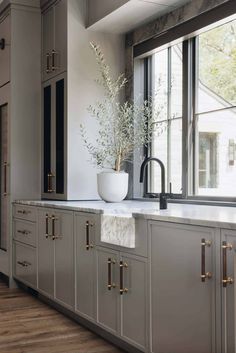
(204, 275)
(47, 226)
(24, 263)
(53, 218)
(2, 43)
(54, 67)
(110, 262)
(23, 232)
(226, 280)
(48, 63)
(5, 164)
(122, 266)
(50, 176)
(87, 240)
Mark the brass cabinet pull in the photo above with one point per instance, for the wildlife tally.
(23, 232)
(24, 212)
(24, 263)
(204, 275)
(110, 285)
(88, 245)
(48, 63)
(226, 280)
(54, 236)
(54, 67)
(2, 43)
(122, 266)
(5, 165)
(50, 189)
(46, 224)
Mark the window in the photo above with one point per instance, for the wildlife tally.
(194, 88)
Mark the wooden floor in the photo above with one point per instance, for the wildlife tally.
(29, 326)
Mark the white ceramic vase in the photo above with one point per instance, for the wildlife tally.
(113, 186)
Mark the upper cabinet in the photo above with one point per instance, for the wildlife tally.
(54, 40)
(5, 34)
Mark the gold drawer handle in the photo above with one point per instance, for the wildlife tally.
(122, 266)
(24, 263)
(24, 232)
(24, 212)
(226, 280)
(204, 275)
(110, 285)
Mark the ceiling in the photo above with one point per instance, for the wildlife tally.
(133, 14)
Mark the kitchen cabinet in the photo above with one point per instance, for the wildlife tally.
(25, 264)
(54, 137)
(86, 226)
(228, 275)
(122, 295)
(56, 255)
(54, 38)
(20, 106)
(5, 38)
(183, 282)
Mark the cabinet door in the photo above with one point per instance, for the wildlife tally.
(62, 231)
(5, 51)
(47, 43)
(228, 272)
(182, 306)
(108, 289)
(85, 227)
(45, 253)
(134, 298)
(60, 37)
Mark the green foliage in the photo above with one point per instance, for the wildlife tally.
(122, 127)
(217, 55)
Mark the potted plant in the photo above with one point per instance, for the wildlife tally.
(122, 127)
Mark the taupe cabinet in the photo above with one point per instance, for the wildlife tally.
(5, 38)
(86, 226)
(54, 26)
(55, 255)
(122, 295)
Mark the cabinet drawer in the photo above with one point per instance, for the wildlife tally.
(25, 264)
(27, 213)
(25, 232)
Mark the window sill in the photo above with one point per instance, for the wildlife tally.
(192, 202)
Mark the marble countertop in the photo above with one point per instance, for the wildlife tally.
(212, 216)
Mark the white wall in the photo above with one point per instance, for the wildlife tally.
(83, 91)
(97, 9)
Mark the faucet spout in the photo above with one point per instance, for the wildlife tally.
(163, 178)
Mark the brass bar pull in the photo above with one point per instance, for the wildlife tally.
(48, 63)
(50, 176)
(54, 67)
(23, 232)
(5, 179)
(24, 212)
(53, 218)
(122, 266)
(204, 275)
(24, 263)
(47, 224)
(87, 235)
(226, 280)
(109, 285)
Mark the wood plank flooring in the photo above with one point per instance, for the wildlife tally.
(29, 326)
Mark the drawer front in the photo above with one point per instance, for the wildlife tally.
(27, 213)
(25, 232)
(25, 264)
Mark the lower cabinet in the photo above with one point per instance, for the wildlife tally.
(56, 255)
(183, 282)
(122, 295)
(25, 264)
(85, 229)
(228, 275)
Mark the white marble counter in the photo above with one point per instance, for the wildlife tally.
(212, 216)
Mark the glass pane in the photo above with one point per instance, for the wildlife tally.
(216, 157)
(175, 172)
(176, 81)
(60, 137)
(4, 173)
(160, 83)
(217, 68)
(47, 135)
(158, 150)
